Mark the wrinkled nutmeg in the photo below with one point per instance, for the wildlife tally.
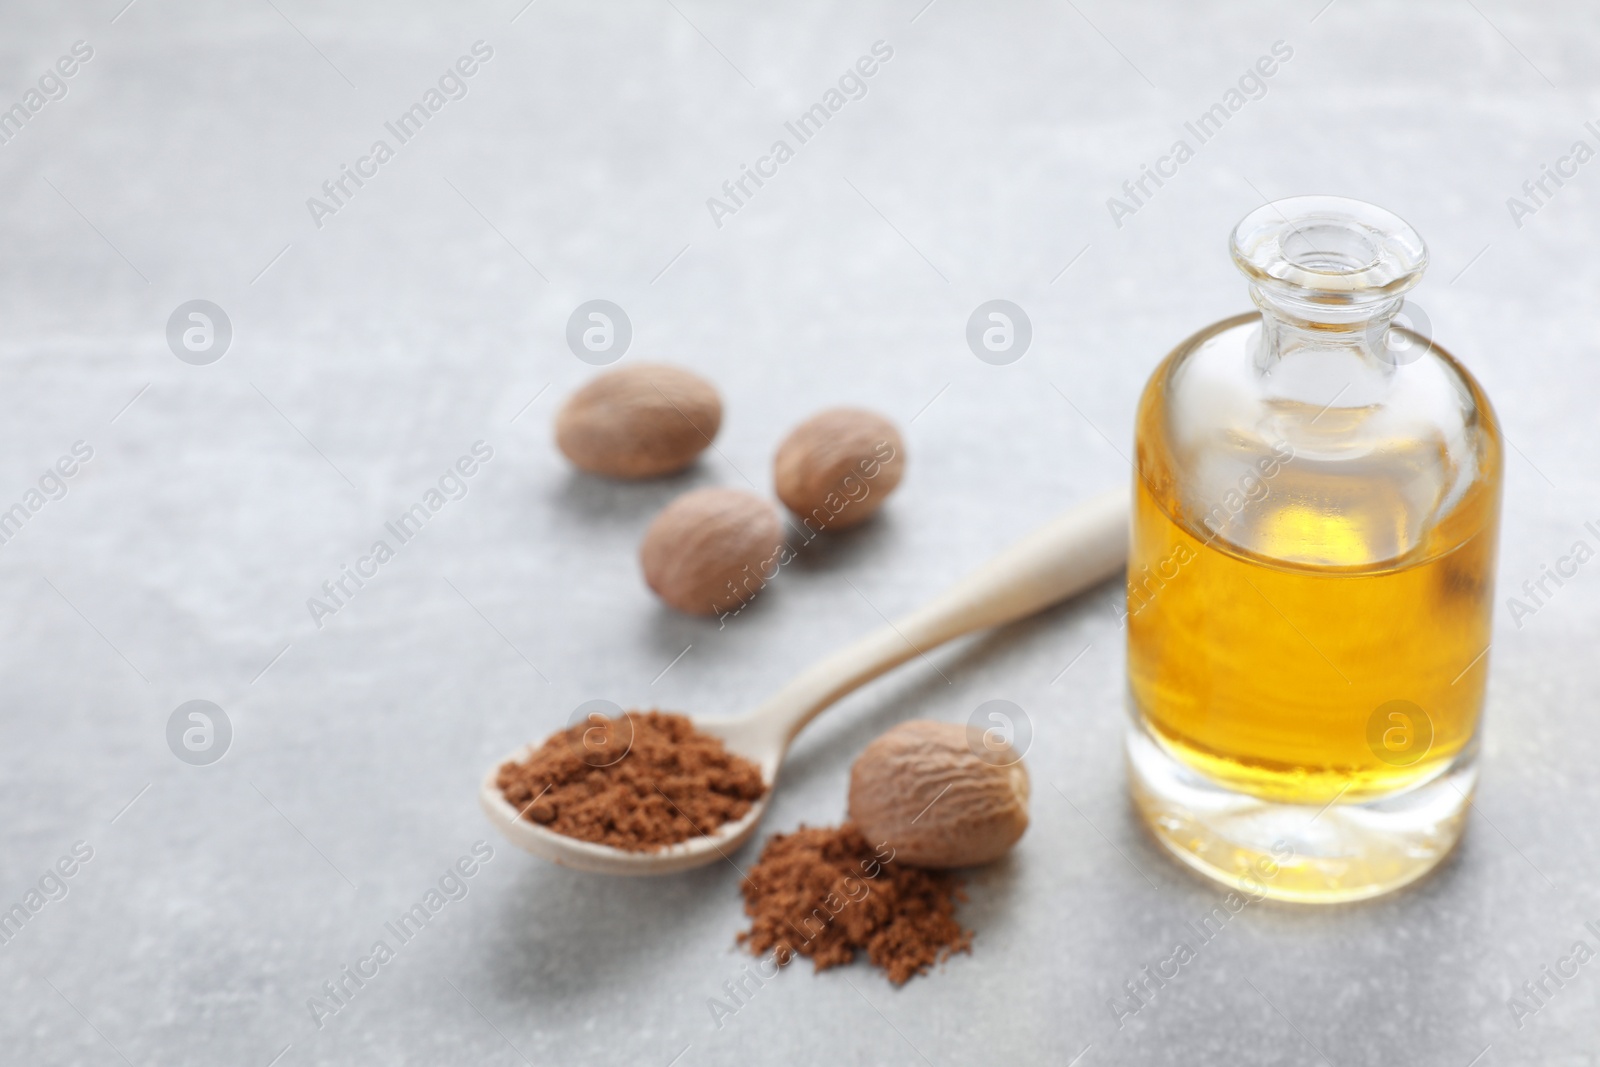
(639, 421)
(838, 467)
(711, 550)
(923, 789)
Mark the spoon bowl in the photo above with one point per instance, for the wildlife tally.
(1074, 552)
(740, 738)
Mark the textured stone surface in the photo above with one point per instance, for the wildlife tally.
(430, 312)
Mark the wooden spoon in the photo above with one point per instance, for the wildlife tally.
(1074, 552)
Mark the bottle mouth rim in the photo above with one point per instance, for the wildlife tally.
(1328, 250)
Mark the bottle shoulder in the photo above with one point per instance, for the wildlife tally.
(1318, 456)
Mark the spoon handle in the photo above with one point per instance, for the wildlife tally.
(1066, 556)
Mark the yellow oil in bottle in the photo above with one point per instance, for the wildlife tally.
(1316, 506)
(1308, 668)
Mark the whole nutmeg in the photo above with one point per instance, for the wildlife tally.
(639, 421)
(923, 789)
(711, 550)
(838, 467)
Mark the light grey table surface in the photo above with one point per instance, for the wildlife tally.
(429, 312)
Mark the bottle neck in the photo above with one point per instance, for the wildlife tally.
(1329, 275)
(1295, 324)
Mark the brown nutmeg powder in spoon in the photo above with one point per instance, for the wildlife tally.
(642, 782)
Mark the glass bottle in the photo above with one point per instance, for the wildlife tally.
(1316, 508)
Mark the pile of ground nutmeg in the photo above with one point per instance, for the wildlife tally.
(827, 893)
(640, 782)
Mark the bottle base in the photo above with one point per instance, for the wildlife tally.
(1296, 852)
